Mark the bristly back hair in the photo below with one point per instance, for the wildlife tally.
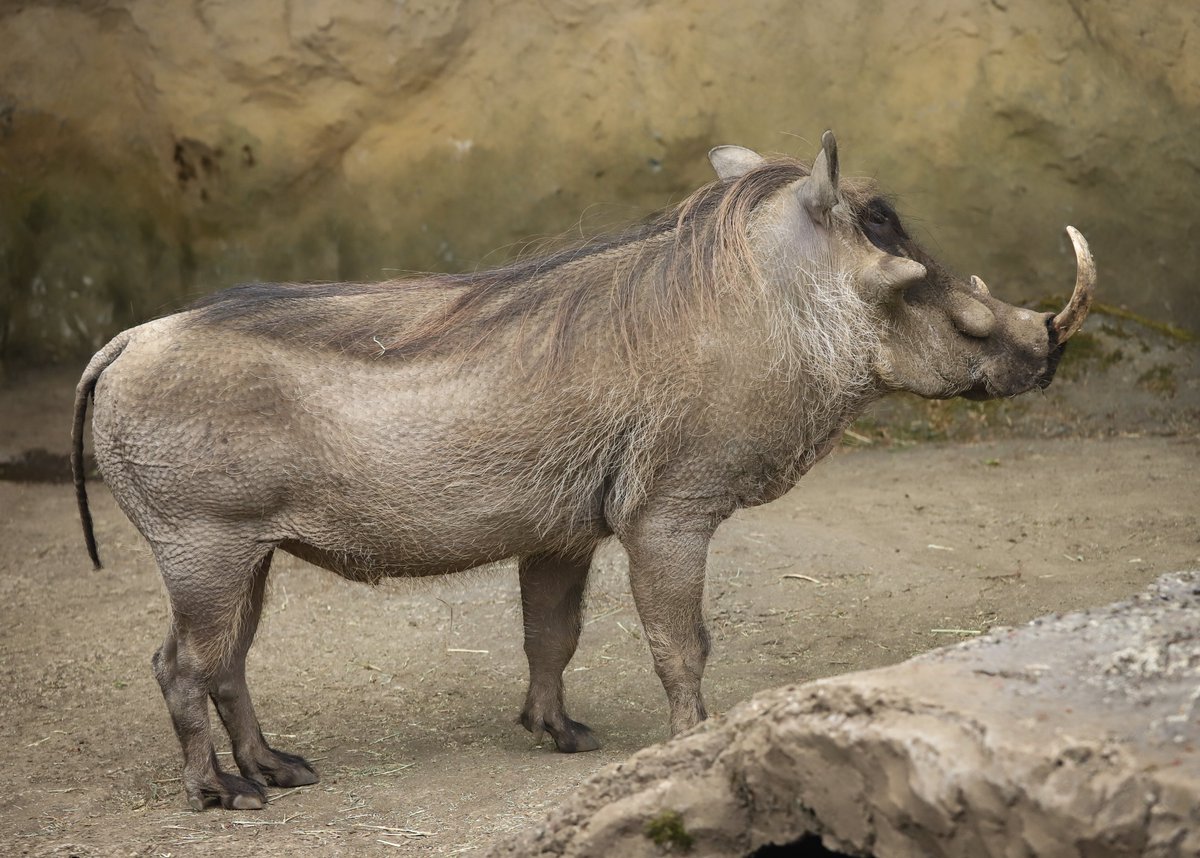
(653, 293)
(667, 271)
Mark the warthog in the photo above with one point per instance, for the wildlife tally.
(644, 387)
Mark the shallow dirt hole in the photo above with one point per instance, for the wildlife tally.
(808, 846)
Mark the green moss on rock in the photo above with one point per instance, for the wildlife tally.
(667, 831)
(1159, 379)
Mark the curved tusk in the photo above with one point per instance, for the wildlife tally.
(979, 286)
(1070, 320)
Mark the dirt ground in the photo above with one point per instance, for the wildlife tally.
(404, 695)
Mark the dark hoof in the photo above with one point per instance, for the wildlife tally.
(288, 770)
(570, 737)
(230, 792)
(575, 738)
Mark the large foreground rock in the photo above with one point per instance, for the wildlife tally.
(1072, 736)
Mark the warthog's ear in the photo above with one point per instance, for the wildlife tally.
(819, 191)
(732, 162)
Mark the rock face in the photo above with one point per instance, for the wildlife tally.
(1073, 736)
(152, 151)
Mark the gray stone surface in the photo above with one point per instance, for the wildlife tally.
(1076, 735)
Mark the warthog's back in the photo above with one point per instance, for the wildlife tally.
(370, 468)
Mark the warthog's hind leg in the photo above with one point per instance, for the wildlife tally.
(256, 760)
(216, 598)
(552, 604)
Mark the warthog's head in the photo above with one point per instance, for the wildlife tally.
(939, 336)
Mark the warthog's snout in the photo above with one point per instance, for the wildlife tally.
(1033, 343)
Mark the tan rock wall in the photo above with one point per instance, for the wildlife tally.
(153, 150)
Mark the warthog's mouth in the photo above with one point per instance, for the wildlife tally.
(1055, 355)
(983, 389)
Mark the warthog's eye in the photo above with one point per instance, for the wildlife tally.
(881, 225)
(879, 212)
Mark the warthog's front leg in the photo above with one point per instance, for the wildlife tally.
(552, 604)
(667, 556)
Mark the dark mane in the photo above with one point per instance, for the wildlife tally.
(658, 272)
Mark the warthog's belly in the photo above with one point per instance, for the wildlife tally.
(421, 545)
(371, 567)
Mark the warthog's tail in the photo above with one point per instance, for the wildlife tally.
(83, 392)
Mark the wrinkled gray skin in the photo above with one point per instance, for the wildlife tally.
(222, 446)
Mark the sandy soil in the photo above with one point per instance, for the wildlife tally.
(902, 548)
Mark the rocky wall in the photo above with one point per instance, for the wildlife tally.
(154, 150)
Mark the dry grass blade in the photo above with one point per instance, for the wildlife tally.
(391, 829)
(53, 733)
(862, 439)
(800, 577)
(280, 795)
(605, 615)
